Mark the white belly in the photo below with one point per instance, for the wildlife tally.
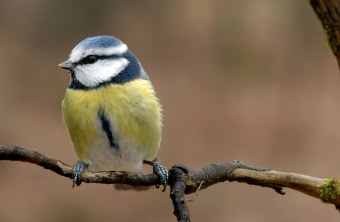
(103, 157)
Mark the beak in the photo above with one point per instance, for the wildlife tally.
(66, 65)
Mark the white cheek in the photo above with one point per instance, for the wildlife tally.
(92, 75)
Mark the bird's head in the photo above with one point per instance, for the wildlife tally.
(100, 60)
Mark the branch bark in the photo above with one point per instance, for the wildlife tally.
(185, 181)
(328, 12)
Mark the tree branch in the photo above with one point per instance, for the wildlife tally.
(328, 12)
(185, 181)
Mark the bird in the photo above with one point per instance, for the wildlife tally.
(111, 110)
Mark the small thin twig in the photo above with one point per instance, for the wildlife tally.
(196, 193)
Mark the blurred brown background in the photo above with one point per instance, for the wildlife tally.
(249, 80)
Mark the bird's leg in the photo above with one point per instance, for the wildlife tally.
(77, 170)
(160, 171)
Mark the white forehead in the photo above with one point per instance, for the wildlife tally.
(98, 45)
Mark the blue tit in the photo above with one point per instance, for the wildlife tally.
(110, 109)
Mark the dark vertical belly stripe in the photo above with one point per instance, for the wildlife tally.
(106, 126)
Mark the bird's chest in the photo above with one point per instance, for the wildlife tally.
(80, 113)
(105, 110)
(104, 123)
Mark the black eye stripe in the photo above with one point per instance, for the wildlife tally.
(90, 59)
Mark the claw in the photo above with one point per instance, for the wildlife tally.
(77, 170)
(162, 173)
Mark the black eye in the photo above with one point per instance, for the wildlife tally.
(90, 59)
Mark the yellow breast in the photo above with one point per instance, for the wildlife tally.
(132, 108)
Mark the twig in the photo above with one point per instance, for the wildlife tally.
(196, 193)
(211, 174)
(184, 181)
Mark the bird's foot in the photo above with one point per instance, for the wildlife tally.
(162, 173)
(77, 170)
